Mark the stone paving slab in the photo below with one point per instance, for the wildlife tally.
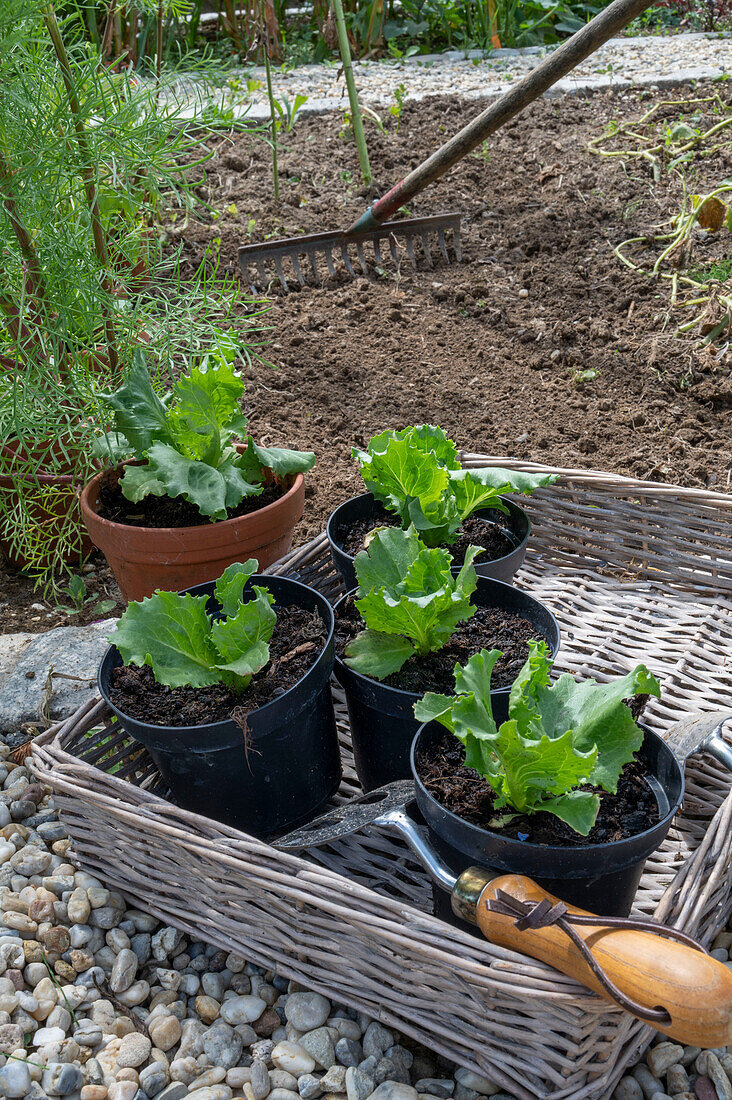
(27, 659)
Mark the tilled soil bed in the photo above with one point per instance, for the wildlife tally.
(493, 348)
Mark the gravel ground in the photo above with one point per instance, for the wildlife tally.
(621, 63)
(100, 1001)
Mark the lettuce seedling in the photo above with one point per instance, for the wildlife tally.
(184, 441)
(185, 646)
(416, 473)
(558, 737)
(409, 600)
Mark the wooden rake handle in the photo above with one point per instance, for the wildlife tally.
(694, 989)
(558, 63)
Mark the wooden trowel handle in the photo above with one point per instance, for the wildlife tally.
(695, 989)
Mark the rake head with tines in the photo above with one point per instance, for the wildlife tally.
(306, 259)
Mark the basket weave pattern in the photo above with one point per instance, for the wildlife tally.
(634, 572)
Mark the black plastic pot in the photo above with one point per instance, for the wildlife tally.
(290, 765)
(382, 717)
(516, 525)
(600, 877)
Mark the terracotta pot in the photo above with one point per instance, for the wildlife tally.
(28, 471)
(173, 558)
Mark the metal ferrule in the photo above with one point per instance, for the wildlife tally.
(467, 890)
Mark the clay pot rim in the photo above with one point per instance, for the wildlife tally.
(110, 525)
(28, 475)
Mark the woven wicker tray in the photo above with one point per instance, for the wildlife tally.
(633, 571)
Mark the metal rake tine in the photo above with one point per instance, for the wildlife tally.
(410, 250)
(443, 244)
(393, 250)
(311, 253)
(377, 251)
(347, 260)
(281, 273)
(329, 261)
(263, 279)
(362, 258)
(456, 242)
(298, 270)
(426, 247)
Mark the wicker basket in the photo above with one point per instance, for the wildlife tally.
(633, 571)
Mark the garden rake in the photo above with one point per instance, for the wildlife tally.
(325, 250)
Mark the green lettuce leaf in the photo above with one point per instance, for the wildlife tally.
(558, 738)
(241, 639)
(186, 647)
(139, 414)
(282, 461)
(378, 655)
(229, 590)
(185, 443)
(171, 633)
(407, 590)
(416, 473)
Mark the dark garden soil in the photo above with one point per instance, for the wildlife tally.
(489, 628)
(493, 348)
(24, 609)
(462, 790)
(297, 641)
(474, 532)
(168, 511)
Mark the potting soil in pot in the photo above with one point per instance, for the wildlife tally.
(490, 533)
(297, 641)
(467, 794)
(154, 511)
(489, 628)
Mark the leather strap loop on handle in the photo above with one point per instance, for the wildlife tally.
(676, 988)
(542, 914)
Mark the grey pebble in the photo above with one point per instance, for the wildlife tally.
(628, 1089)
(435, 1086)
(349, 1052)
(651, 1085)
(359, 1085)
(309, 1087)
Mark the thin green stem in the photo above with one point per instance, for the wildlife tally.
(273, 116)
(87, 170)
(358, 132)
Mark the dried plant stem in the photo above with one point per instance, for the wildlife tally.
(100, 243)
